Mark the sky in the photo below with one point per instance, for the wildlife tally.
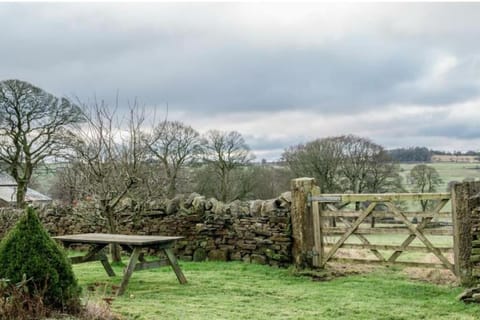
(401, 74)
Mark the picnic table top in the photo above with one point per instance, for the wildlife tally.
(102, 238)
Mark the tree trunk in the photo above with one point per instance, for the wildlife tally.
(224, 187)
(172, 186)
(21, 193)
(112, 228)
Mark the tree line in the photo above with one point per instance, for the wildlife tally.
(423, 154)
(108, 158)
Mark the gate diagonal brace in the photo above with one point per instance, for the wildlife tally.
(420, 227)
(349, 232)
(362, 238)
(420, 236)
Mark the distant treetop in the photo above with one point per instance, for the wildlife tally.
(412, 154)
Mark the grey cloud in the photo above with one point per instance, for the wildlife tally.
(208, 58)
(458, 130)
(214, 72)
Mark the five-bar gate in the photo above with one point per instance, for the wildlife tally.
(361, 221)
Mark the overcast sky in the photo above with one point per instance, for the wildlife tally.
(280, 74)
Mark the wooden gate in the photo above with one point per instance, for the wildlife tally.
(358, 221)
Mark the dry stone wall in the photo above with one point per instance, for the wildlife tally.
(253, 231)
(475, 253)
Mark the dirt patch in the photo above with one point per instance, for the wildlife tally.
(335, 270)
(353, 268)
(436, 276)
(353, 254)
(341, 268)
(327, 274)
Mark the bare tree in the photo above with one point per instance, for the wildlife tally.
(225, 152)
(345, 163)
(424, 179)
(109, 160)
(319, 159)
(269, 181)
(32, 129)
(174, 145)
(66, 185)
(385, 175)
(366, 166)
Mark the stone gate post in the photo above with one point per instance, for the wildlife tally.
(302, 224)
(466, 229)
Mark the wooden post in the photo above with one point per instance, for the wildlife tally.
(302, 224)
(317, 230)
(462, 207)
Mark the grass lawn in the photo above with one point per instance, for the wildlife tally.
(236, 290)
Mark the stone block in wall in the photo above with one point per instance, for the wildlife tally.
(226, 247)
(246, 246)
(172, 205)
(263, 241)
(200, 255)
(262, 232)
(186, 258)
(280, 238)
(218, 207)
(278, 220)
(248, 235)
(260, 259)
(198, 205)
(194, 218)
(285, 199)
(218, 255)
(188, 203)
(268, 207)
(236, 256)
(234, 208)
(256, 207)
(276, 255)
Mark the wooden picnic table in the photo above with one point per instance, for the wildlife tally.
(131, 243)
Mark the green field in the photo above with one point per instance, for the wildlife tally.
(234, 290)
(451, 171)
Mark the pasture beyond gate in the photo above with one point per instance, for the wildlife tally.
(386, 229)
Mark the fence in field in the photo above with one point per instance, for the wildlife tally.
(330, 227)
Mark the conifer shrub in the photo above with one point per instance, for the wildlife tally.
(28, 252)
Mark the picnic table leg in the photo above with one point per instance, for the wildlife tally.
(94, 254)
(106, 265)
(174, 264)
(129, 270)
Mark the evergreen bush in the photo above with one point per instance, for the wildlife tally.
(28, 251)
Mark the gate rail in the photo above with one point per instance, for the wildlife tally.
(328, 208)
